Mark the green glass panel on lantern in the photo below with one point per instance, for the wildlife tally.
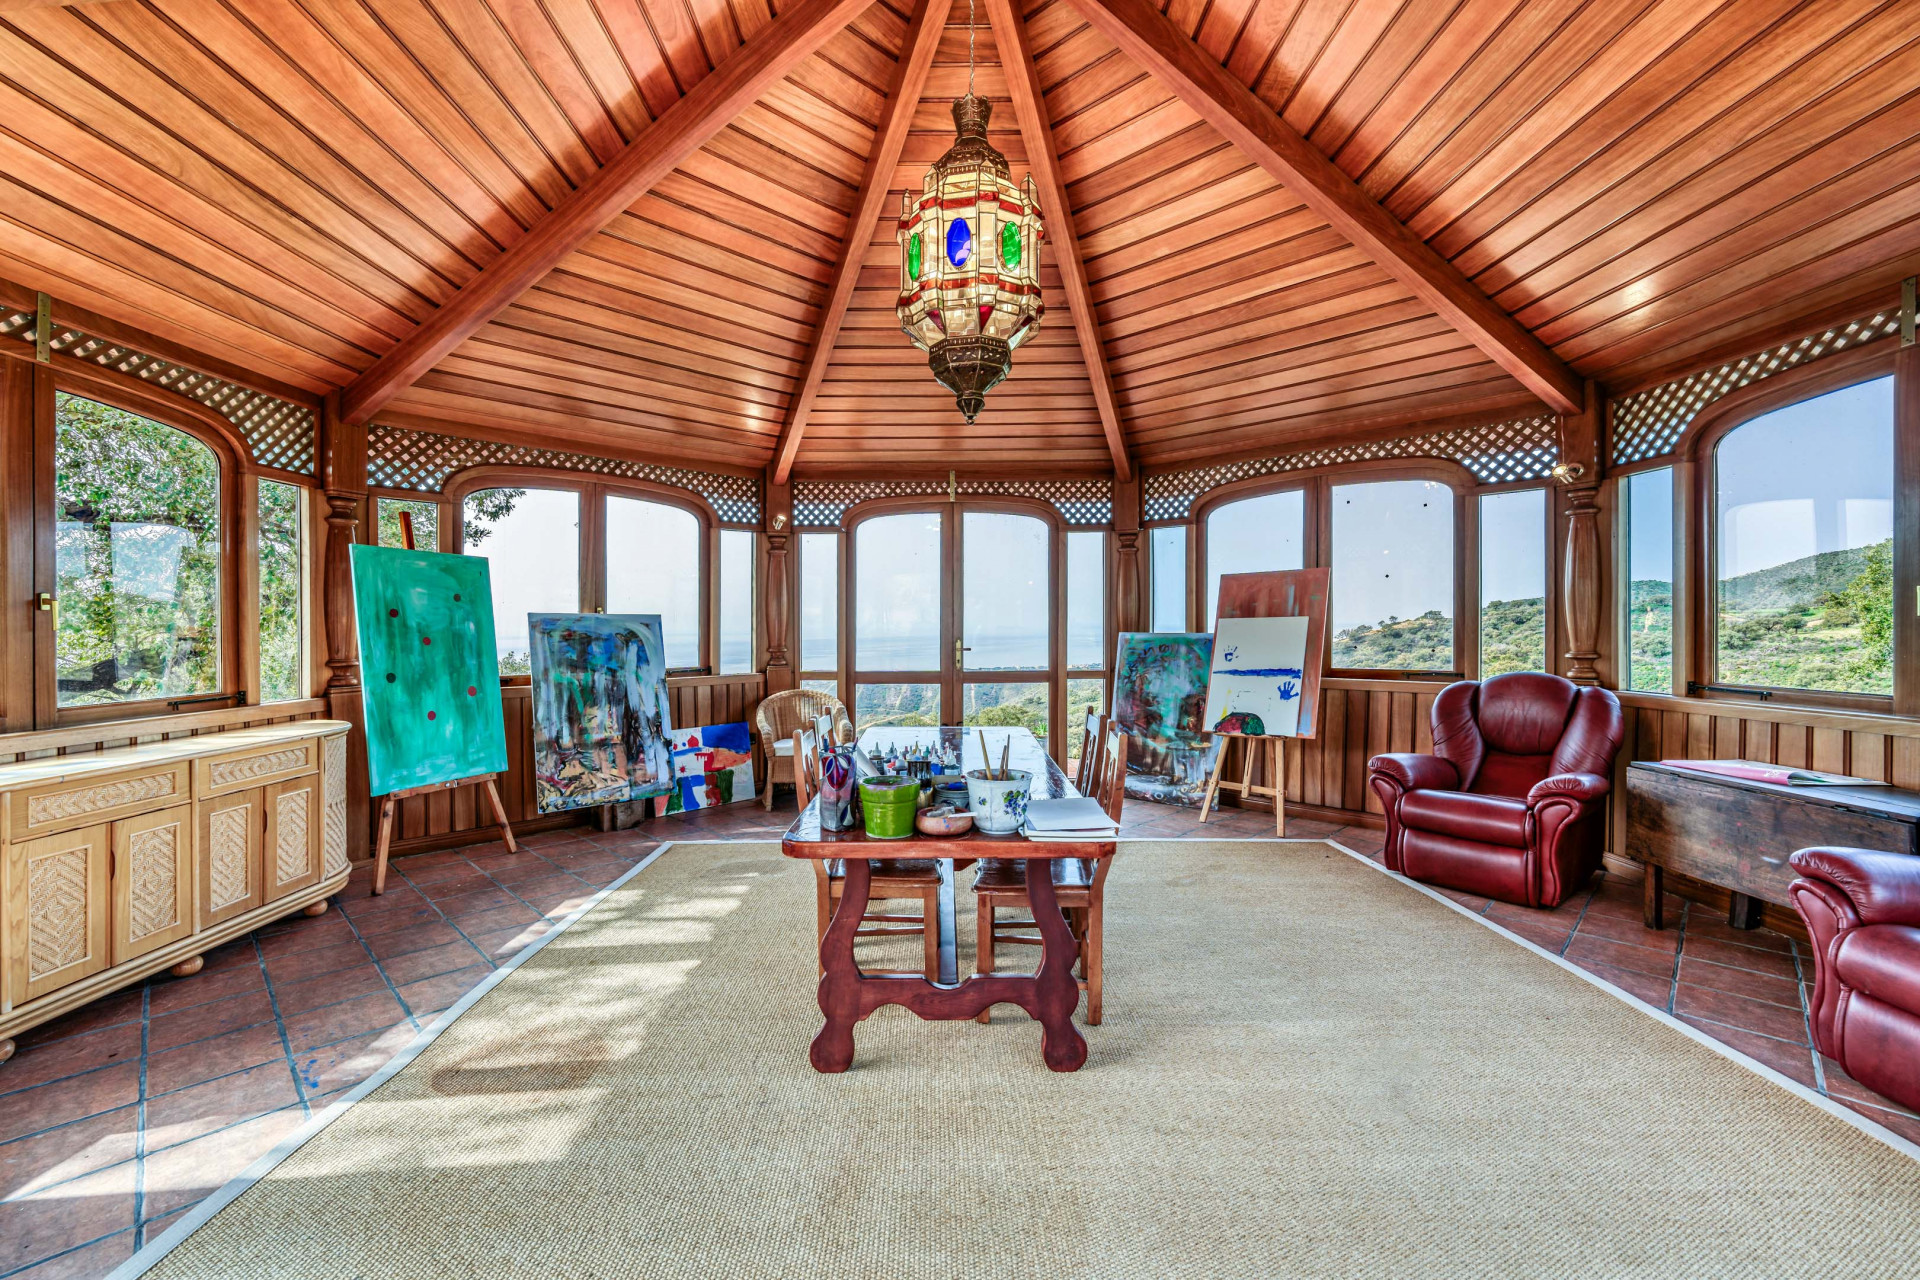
(1009, 245)
(913, 256)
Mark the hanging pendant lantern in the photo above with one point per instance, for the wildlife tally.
(970, 262)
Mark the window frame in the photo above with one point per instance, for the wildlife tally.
(1697, 537)
(593, 542)
(1551, 585)
(1317, 549)
(238, 662)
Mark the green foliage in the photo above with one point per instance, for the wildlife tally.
(1650, 635)
(1424, 643)
(279, 592)
(1513, 636)
(137, 557)
(485, 508)
(1821, 622)
(426, 523)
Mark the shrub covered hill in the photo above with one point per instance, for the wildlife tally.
(1821, 622)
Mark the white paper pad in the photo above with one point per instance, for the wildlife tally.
(1080, 813)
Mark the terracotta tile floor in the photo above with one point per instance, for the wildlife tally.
(119, 1117)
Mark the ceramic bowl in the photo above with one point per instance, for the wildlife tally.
(944, 820)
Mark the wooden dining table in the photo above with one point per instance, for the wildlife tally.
(1050, 994)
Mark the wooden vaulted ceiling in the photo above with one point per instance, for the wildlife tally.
(666, 227)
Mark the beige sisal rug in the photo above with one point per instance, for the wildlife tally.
(1308, 1068)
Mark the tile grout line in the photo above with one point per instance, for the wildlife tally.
(1679, 946)
(280, 1025)
(67, 1252)
(1806, 1017)
(1593, 891)
(140, 1117)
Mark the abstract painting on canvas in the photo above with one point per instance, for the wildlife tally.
(712, 766)
(1259, 670)
(600, 717)
(1159, 700)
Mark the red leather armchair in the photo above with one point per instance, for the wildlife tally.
(1862, 910)
(1509, 803)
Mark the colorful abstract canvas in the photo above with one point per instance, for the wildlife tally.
(711, 766)
(1159, 701)
(430, 680)
(1259, 670)
(600, 715)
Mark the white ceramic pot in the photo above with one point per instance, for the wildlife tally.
(998, 805)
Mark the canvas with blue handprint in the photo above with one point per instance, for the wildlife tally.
(1259, 670)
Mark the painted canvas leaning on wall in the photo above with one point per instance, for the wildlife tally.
(1160, 699)
(600, 715)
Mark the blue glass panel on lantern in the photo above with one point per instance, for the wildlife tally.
(959, 243)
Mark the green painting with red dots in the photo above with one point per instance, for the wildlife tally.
(428, 670)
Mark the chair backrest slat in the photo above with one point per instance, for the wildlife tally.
(806, 765)
(1092, 738)
(1111, 787)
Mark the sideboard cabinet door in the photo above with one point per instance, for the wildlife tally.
(292, 853)
(152, 881)
(227, 856)
(57, 893)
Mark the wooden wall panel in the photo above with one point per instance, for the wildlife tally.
(459, 816)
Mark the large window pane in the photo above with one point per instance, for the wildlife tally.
(1005, 605)
(819, 601)
(530, 539)
(1025, 705)
(736, 601)
(896, 574)
(653, 566)
(1513, 582)
(1254, 535)
(1650, 580)
(1393, 576)
(426, 521)
(280, 591)
(136, 557)
(1169, 573)
(899, 704)
(1803, 503)
(1086, 601)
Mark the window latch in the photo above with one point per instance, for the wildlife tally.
(44, 602)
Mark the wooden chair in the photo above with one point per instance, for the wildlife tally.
(1091, 732)
(782, 715)
(1079, 884)
(892, 878)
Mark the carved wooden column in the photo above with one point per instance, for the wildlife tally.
(777, 598)
(1127, 569)
(343, 475)
(1583, 578)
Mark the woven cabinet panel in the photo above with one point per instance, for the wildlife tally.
(57, 925)
(227, 870)
(333, 830)
(153, 871)
(293, 819)
(59, 806)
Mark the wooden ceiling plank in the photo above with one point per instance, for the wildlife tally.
(1010, 36)
(682, 130)
(1140, 30)
(627, 27)
(903, 95)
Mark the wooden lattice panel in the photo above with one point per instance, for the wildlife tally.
(821, 504)
(227, 878)
(1650, 423)
(290, 842)
(423, 460)
(1496, 453)
(279, 433)
(58, 931)
(153, 868)
(333, 829)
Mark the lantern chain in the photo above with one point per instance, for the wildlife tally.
(969, 48)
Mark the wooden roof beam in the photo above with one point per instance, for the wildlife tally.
(1152, 39)
(681, 130)
(903, 96)
(1023, 85)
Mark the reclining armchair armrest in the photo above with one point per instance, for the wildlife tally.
(1416, 772)
(1577, 787)
(1884, 888)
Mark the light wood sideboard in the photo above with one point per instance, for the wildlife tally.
(118, 863)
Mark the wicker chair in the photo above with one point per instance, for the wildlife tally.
(780, 719)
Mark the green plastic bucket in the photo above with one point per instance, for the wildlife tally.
(889, 804)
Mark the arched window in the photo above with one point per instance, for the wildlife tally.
(1802, 545)
(1254, 535)
(1393, 580)
(137, 560)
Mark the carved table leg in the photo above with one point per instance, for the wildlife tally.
(188, 967)
(1056, 994)
(6, 1050)
(316, 908)
(832, 1049)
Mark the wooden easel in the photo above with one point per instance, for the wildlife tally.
(1276, 760)
(391, 800)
